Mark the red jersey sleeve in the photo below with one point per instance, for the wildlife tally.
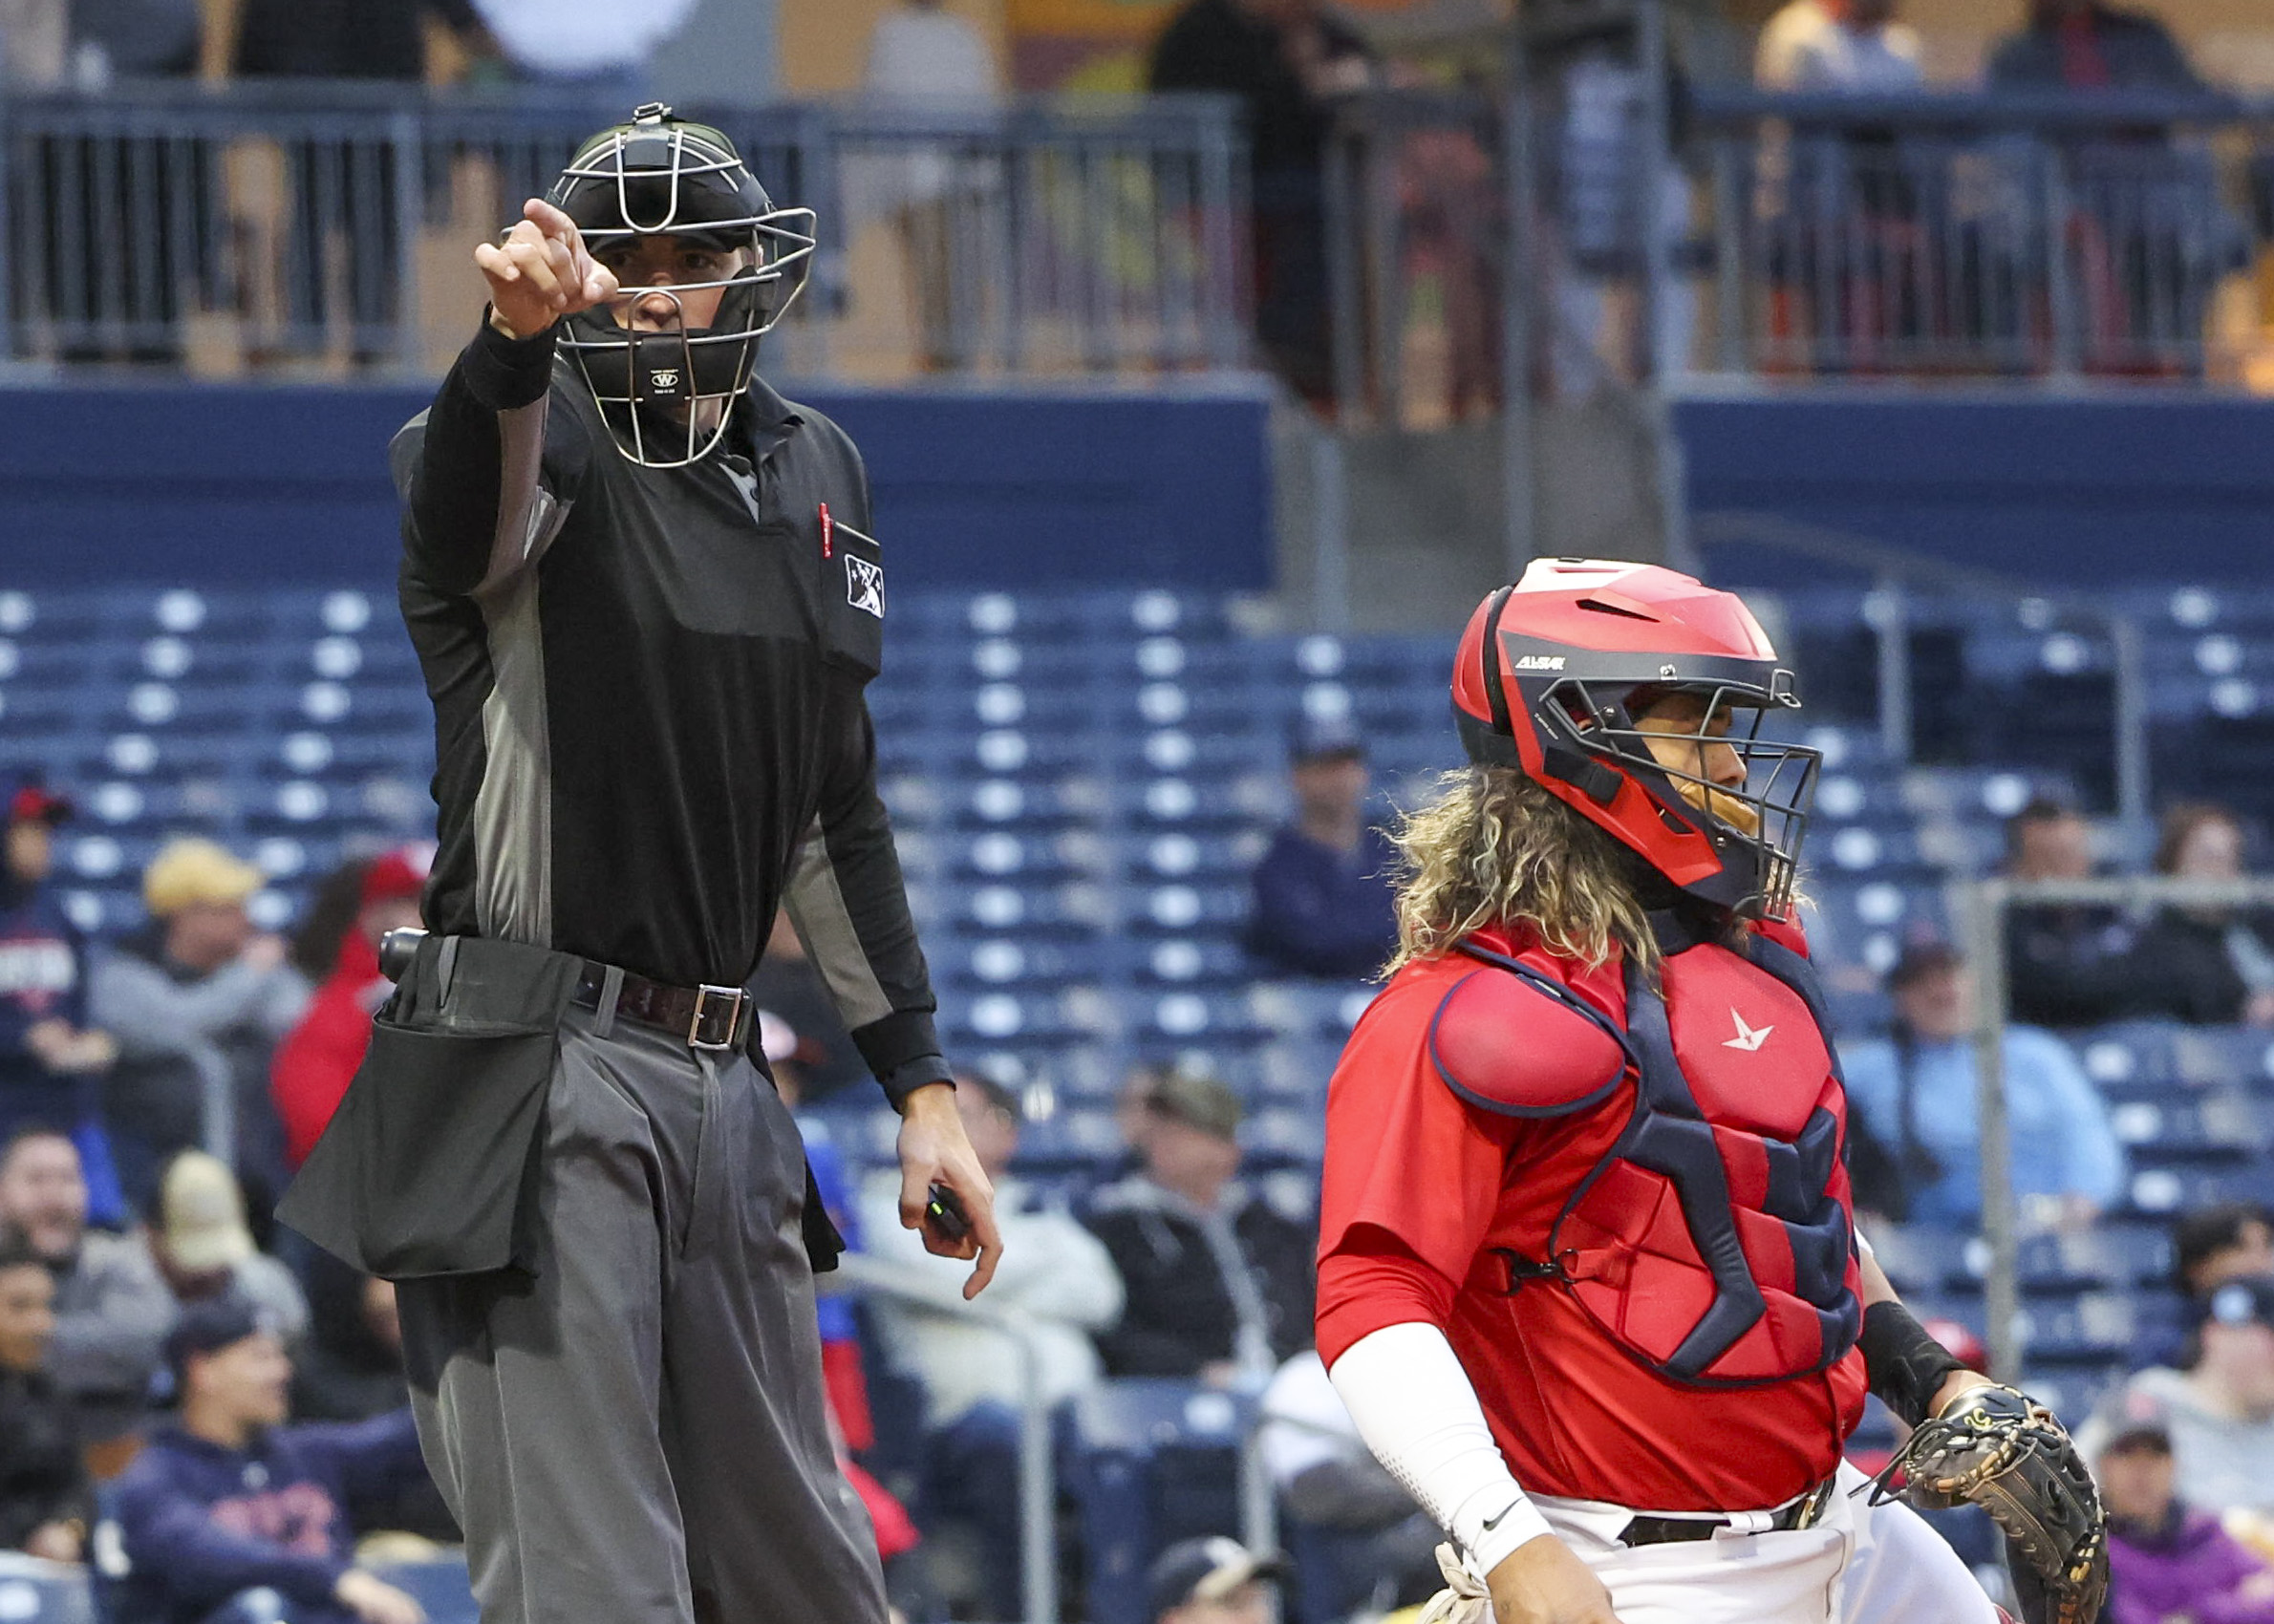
(1408, 1162)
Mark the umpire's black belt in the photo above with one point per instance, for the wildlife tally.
(701, 1018)
(1802, 1513)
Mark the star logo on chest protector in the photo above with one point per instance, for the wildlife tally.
(1750, 1039)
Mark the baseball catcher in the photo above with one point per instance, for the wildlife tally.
(1590, 1282)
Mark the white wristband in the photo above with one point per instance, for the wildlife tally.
(1415, 1409)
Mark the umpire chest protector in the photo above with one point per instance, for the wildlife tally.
(1713, 1241)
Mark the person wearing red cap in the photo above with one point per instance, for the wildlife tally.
(1589, 1279)
(51, 1058)
(318, 1057)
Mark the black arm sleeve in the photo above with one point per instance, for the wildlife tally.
(850, 904)
(488, 472)
(1903, 1365)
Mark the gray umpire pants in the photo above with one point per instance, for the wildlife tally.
(637, 1434)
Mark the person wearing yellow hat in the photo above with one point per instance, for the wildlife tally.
(203, 1247)
(197, 1003)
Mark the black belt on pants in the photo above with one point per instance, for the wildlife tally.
(702, 1018)
(1802, 1513)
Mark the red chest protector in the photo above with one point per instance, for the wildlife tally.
(1714, 1240)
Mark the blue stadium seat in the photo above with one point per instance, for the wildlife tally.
(41, 1593)
(1155, 1461)
(2215, 1125)
(1918, 1257)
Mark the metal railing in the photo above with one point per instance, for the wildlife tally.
(1038, 1461)
(1040, 1589)
(330, 226)
(1986, 236)
(1571, 233)
(1986, 904)
(1901, 581)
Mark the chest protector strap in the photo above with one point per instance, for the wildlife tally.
(1755, 1334)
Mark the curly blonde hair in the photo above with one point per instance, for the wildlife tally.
(1495, 848)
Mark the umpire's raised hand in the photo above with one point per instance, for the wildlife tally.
(540, 270)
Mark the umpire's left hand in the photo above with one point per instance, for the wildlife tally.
(933, 1149)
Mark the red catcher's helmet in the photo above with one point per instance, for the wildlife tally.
(1548, 677)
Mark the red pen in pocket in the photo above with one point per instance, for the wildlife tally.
(828, 528)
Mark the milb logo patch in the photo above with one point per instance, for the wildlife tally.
(864, 584)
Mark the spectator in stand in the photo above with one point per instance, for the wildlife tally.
(45, 1497)
(2229, 1241)
(1055, 1271)
(2138, 276)
(2219, 1409)
(1917, 1090)
(1855, 46)
(1214, 1580)
(112, 1309)
(317, 1058)
(51, 1058)
(1287, 61)
(34, 42)
(2208, 966)
(1329, 1480)
(351, 1370)
(598, 48)
(2066, 962)
(231, 1500)
(1850, 212)
(788, 987)
(204, 1249)
(2221, 1243)
(197, 1001)
(2083, 44)
(1323, 887)
(343, 200)
(923, 53)
(2166, 1561)
(1217, 1283)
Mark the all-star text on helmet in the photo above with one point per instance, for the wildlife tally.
(662, 176)
(1553, 676)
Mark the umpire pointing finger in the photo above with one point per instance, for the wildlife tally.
(644, 595)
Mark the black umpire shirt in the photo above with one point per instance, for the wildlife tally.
(650, 724)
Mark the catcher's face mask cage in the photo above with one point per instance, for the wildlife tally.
(1755, 824)
(1529, 694)
(659, 176)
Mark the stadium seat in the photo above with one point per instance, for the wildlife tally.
(1155, 1461)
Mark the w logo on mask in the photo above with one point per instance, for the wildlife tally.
(864, 584)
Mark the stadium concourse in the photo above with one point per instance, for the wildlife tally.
(1080, 783)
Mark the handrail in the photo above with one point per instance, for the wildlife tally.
(1039, 235)
(1715, 106)
(1985, 906)
(1891, 569)
(1038, 1465)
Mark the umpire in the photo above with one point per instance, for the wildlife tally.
(646, 608)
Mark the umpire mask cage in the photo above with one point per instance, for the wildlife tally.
(1554, 675)
(663, 177)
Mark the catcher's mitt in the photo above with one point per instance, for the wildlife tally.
(2000, 1450)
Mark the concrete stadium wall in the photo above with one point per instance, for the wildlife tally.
(289, 484)
(2080, 493)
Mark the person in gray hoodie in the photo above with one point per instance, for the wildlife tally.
(196, 1003)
